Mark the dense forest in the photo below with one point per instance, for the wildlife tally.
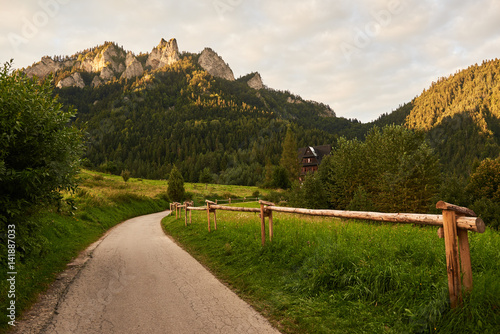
(181, 115)
(460, 115)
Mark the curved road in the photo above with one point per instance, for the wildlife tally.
(140, 281)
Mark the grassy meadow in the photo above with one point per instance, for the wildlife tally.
(324, 275)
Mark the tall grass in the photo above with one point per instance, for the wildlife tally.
(330, 276)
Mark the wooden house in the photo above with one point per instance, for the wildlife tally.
(310, 158)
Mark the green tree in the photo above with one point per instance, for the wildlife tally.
(39, 152)
(205, 176)
(175, 191)
(289, 156)
(485, 181)
(268, 177)
(125, 175)
(280, 178)
(484, 188)
(309, 194)
(394, 170)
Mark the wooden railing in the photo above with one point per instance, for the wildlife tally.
(454, 224)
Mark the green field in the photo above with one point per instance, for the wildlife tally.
(331, 276)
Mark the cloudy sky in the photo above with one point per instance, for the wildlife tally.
(362, 57)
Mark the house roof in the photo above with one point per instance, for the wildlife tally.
(314, 151)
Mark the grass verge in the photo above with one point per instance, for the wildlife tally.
(329, 276)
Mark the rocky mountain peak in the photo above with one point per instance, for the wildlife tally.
(215, 65)
(166, 53)
(256, 82)
(43, 68)
(109, 55)
(108, 62)
(133, 67)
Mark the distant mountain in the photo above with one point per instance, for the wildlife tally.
(460, 114)
(150, 111)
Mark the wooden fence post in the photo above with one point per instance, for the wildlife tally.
(262, 224)
(270, 225)
(454, 263)
(265, 212)
(208, 215)
(185, 214)
(465, 262)
(215, 219)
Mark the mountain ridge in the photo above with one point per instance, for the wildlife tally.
(109, 62)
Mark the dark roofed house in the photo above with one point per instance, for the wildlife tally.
(310, 158)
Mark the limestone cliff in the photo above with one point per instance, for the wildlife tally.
(108, 56)
(44, 67)
(166, 53)
(215, 65)
(256, 82)
(74, 80)
(133, 67)
(109, 62)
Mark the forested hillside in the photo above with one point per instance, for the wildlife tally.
(182, 115)
(460, 114)
(147, 113)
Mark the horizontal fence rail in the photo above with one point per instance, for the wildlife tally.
(475, 224)
(454, 224)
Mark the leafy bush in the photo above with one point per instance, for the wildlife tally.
(309, 194)
(484, 188)
(281, 179)
(489, 211)
(39, 152)
(125, 175)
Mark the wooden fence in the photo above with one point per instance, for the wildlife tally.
(454, 224)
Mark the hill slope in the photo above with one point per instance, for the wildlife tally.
(460, 114)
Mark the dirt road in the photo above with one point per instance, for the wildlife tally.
(140, 281)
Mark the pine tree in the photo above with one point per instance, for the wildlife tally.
(289, 157)
(175, 185)
(269, 173)
(205, 177)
